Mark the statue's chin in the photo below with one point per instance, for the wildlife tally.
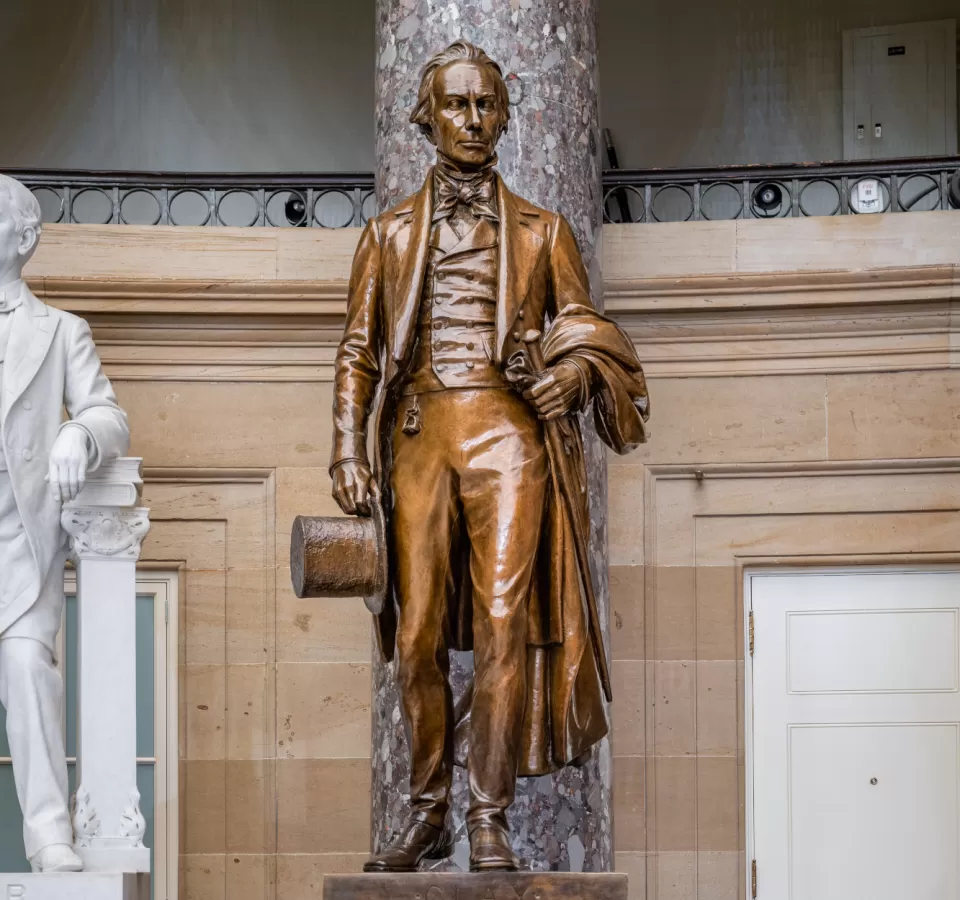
(470, 159)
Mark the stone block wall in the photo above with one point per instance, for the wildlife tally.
(804, 387)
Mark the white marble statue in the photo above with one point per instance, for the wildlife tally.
(47, 362)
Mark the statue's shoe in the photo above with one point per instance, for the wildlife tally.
(417, 842)
(490, 849)
(56, 858)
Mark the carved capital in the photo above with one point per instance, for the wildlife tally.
(104, 533)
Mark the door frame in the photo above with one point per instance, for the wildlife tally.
(164, 586)
(760, 567)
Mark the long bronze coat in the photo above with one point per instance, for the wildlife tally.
(542, 284)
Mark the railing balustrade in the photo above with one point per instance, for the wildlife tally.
(637, 196)
(771, 192)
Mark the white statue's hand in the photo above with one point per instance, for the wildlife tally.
(68, 464)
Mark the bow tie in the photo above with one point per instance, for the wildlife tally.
(10, 299)
(475, 192)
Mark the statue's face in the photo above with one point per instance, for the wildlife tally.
(466, 113)
(14, 248)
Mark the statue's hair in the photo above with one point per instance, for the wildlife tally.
(458, 51)
(24, 206)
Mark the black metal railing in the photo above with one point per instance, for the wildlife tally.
(768, 192)
(142, 198)
(652, 195)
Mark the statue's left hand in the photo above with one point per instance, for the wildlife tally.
(68, 464)
(558, 391)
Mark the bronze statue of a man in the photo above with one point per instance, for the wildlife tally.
(479, 463)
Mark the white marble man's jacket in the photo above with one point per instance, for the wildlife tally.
(50, 363)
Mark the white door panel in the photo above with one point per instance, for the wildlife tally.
(873, 811)
(853, 737)
(872, 651)
(899, 91)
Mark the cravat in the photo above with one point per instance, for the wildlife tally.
(472, 190)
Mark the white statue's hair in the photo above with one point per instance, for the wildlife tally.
(24, 206)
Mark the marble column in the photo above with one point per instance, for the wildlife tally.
(550, 155)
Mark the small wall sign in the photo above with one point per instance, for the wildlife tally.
(897, 51)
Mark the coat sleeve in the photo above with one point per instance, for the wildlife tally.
(90, 400)
(569, 282)
(357, 369)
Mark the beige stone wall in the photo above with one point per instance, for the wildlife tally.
(804, 384)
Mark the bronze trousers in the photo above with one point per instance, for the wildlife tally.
(476, 472)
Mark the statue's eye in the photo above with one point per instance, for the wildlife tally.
(487, 104)
(455, 103)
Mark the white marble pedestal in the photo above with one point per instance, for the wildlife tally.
(106, 527)
(75, 886)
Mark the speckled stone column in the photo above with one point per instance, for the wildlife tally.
(550, 155)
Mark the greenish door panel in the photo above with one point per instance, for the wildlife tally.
(146, 643)
(13, 857)
(12, 854)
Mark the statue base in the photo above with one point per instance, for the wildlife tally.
(476, 886)
(74, 886)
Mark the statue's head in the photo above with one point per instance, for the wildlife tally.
(19, 225)
(462, 105)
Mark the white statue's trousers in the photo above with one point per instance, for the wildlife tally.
(31, 690)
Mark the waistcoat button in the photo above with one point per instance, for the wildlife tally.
(439, 367)
(469, 324)
(520, 314)
(28, 455)
(438, 324)
(469, 276)
(28, 404)
(469, 346)
(469, 365)
(516, 335)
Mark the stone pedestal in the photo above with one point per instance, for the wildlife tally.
(75, 886)
(551, 156)
(105, 529)
(465, 886)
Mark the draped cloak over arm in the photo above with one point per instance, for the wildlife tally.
(565, 714)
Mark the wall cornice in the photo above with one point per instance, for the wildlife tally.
(699, 299)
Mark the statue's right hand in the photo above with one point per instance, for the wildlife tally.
(351, 487)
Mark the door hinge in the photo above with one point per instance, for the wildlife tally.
(753, 879)
(750, 629)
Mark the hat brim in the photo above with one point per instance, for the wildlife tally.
(376, 600)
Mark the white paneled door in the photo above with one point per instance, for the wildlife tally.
(853, 734)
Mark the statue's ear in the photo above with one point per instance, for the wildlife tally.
(28, 240)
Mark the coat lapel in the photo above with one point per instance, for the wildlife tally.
(520, 248)
(412, 267)
(31, 333)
